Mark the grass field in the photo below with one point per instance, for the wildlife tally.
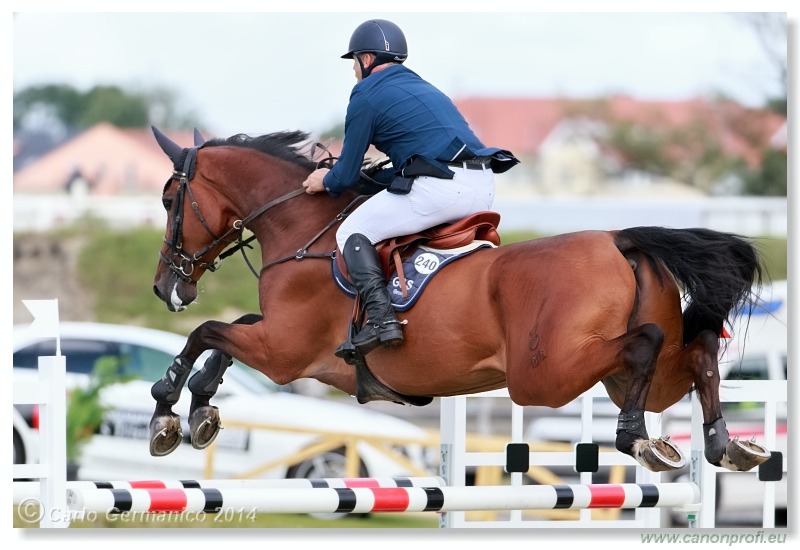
(246, 520)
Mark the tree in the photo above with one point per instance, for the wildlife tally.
(334, 132)
(771, 30)
(164, 113)
(62, 107)
(770, 179)
(47, 105)
(111, 104)
(85, 409)
(693, 151)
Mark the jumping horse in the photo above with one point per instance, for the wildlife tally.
(641, 309)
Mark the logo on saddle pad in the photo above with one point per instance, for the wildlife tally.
(418, 269)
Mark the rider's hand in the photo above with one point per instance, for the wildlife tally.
(313, 183)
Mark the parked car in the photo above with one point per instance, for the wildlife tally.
(300, 423)
(756, 350)
(25, 422)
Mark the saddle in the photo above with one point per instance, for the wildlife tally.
(481, 226)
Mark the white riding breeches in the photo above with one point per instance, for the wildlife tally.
(431, 202)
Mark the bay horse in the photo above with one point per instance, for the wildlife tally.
(547, 318)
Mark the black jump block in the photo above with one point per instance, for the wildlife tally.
(518, 458)
(587, 457)
(772, 469)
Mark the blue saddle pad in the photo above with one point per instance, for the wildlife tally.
(418, 269)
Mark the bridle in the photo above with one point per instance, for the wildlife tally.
(183, 263)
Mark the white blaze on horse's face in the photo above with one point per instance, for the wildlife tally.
(175, 300)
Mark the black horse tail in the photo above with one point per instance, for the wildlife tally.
(720, 273)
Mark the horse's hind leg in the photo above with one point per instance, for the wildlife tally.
(639, 355)
(720, 450)
(204, 424)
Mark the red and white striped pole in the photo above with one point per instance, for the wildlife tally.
(382, 499)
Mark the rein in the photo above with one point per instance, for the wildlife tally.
(303, 252)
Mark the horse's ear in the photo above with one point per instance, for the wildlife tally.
(198, 138)
(172, 149)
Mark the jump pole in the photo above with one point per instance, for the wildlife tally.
(27, 489)
(383, 499)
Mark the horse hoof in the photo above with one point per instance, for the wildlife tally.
(204, 425)
(658, 455)
(165, 434)
(741, 456)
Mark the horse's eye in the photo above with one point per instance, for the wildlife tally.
(167, 204)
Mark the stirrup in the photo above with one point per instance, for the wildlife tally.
(348, 352)
(388, 333)
(374, 335)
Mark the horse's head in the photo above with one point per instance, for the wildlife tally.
(217, 189)
(194, 235)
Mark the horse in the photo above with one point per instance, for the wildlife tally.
(640, 309)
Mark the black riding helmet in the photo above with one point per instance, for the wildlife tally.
(380, 37)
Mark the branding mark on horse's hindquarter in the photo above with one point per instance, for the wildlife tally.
(536, 357)
(533, 344)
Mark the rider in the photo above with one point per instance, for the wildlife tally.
(430, 146)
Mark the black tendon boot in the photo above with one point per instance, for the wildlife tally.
(382, 326)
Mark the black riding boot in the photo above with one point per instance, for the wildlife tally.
(364, 266)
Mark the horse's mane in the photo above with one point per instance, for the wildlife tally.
(296, 147)
(292, 146)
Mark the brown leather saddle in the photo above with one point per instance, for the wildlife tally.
(481, 226)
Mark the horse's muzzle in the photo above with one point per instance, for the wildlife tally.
(175, 293)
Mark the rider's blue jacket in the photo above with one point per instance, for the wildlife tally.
(404, 117)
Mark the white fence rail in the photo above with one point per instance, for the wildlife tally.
(753, 216)
(750, 216)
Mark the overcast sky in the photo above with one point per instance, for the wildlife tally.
(262, 72)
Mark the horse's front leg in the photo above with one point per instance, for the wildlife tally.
(720, 449)
(204, 423)
(165, 426)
